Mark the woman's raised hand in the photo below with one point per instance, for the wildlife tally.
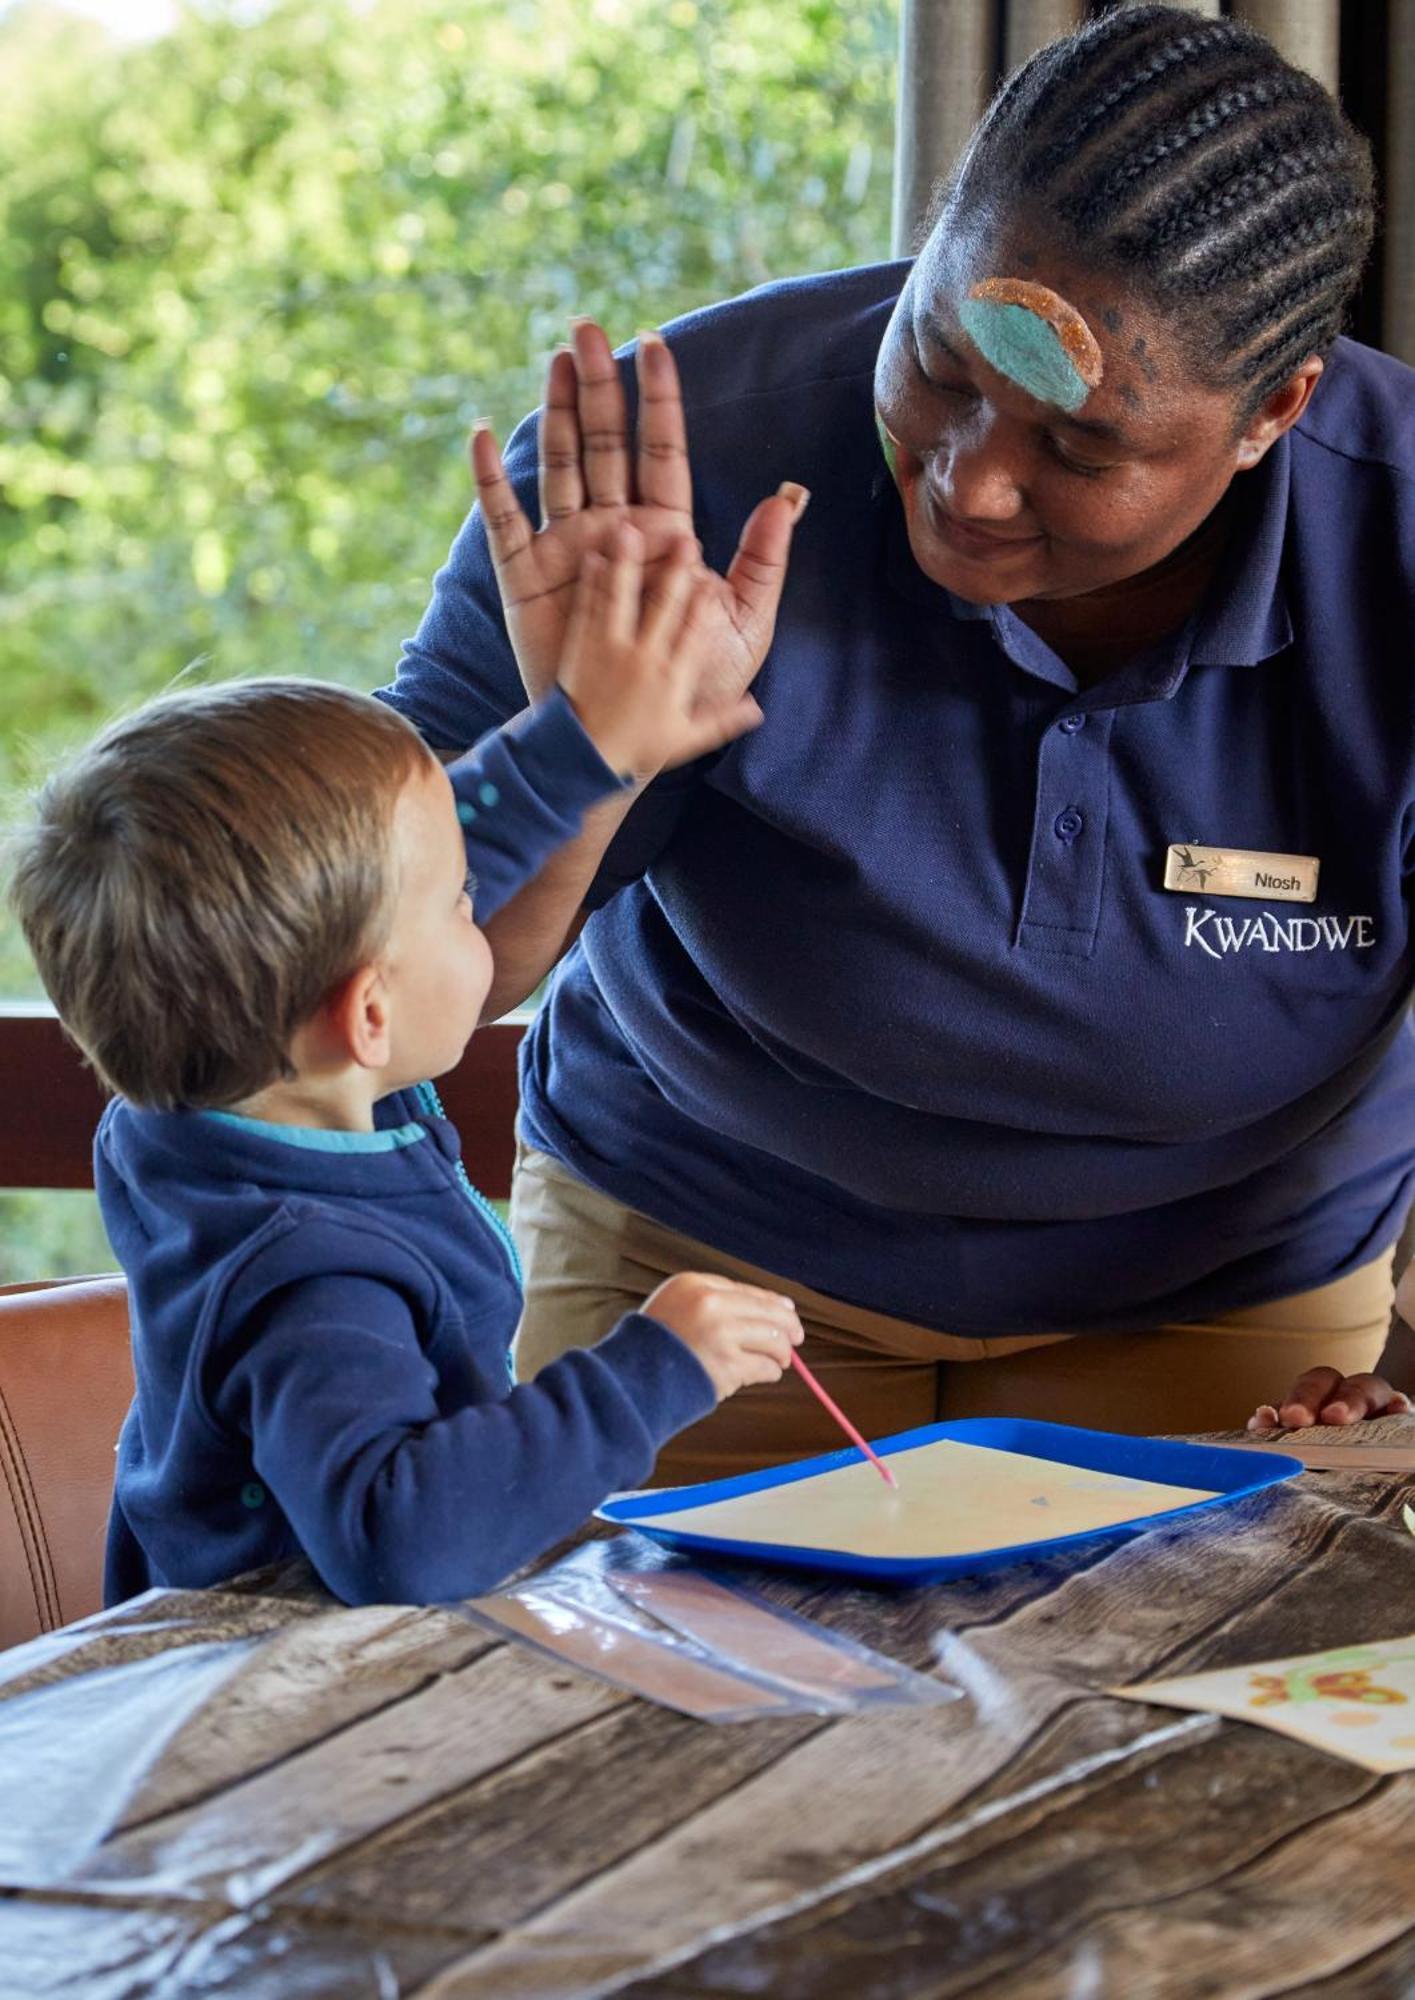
(590, 484)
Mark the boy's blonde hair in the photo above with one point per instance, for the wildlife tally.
(199, 879)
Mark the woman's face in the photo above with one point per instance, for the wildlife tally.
(1009, 498)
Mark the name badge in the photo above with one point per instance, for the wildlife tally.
(1238, 871)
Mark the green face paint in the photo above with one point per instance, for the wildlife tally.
(1027, 349)
(886, 445)
(1032, 335)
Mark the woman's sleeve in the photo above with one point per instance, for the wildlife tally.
(457, 675)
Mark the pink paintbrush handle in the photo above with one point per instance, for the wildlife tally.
(844, 1422)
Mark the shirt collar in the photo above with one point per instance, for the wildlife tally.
(319, 1138)
(1245, 617)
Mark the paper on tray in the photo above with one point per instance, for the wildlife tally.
(1358, 1702)
(953, 1499)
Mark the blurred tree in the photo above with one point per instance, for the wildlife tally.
(258, 275)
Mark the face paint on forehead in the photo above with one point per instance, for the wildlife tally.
(1035, 338)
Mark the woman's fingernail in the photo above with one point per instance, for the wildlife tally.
(649, 336)
(1337, 1413)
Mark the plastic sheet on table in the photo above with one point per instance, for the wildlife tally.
(75, 1754)
(655, 1665)
(767, 1638)
(676, 1635)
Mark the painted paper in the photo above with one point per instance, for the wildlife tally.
(1357, 1702)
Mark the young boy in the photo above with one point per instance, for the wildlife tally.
(250, 905)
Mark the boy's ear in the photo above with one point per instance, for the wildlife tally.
(359, 1016)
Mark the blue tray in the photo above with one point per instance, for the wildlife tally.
(1229, 1475)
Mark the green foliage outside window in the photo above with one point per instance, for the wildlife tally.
(257, 277)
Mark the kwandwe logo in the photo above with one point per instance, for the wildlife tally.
(1220, 936)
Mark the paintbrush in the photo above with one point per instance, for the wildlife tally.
(844, 1422)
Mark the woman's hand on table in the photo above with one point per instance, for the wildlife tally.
(590, 484)
(1326, 1396)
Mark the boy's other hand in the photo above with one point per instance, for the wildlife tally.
(633, 660)
(739, 1333)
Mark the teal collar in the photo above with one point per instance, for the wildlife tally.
(317, 1140)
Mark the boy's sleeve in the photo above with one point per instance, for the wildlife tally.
(523, 792)
(393, 1500)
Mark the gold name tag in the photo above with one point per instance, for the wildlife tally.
(1237, 871)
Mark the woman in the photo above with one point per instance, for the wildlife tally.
(1027, 996)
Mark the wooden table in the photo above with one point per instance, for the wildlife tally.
(256, 1792)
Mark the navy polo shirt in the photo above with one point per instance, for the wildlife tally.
(889, 996)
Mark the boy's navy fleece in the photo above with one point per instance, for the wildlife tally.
(322, 1320)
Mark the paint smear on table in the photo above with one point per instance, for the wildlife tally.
(953, 1500)
(1358, 1702)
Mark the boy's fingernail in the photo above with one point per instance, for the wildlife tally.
(649, 336)
(1337, 1413)
(799, 496)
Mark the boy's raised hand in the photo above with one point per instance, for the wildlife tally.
(632, 665)
(739, 1333)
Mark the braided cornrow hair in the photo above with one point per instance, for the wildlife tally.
(1189, 159)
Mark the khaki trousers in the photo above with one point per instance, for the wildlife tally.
(588, 1260)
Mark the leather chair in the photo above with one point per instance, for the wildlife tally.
(66, 1379)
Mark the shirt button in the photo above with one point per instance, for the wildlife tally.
(253, 1494)
(1071, 723)
(488, 794)
(1068, 824)
(466, 812)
